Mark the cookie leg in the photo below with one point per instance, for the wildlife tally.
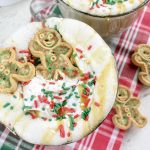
(121, 120)
(137, 118)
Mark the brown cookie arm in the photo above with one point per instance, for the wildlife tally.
(133, 102)
(25, 72)
(37, 52)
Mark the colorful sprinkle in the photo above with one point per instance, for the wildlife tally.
(61, 130)
(24, 51)
(36, 104)
(68, 134)
(90, 46)
(6, 105)
(53, 83)
(96, 104)
(79, 50)
(58, 97)
(76, 116)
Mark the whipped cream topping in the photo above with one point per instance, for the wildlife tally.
(104, 7)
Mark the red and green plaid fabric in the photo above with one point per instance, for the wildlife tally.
(106, 136)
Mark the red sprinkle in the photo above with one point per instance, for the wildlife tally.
(43, 84)
(90, 46)
(86, 102)
(91, 8)
(81, 56)
(69, 110)
(26, 83)
(61, 78)
(32, 115)
(36, 104)
(87, 118)
(43, 99)
(76, 116)
(96, 104)
(45, 119)
(87, 89)
(52, 104)
(86, 76)
(84, 96)
(68, 134)
(57, 97)
(62, 131)
(79, 50)
(52, 83)
(55, 115)
(97, 5)
(75, 124)
(24, 51)
(43, 25)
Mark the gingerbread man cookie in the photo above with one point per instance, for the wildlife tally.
(12, 71)
(141, 58)
(54, 54)
(127, 112)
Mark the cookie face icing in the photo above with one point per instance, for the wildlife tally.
(127, 112)
(104, 8)
(53, 53)
(59, 108)
(12, 71)
(141, 58)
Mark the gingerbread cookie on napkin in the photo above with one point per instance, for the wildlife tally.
(54, 54)
(141, 58)
(127, 112)
(12, 71)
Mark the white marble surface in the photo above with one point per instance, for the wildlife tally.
(15, 16)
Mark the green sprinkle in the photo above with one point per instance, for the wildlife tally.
(6, 105)
(14, 96)
(64, 87)
(63, 93)
(43, 90)
(74, 55)
(75, 93)
(73, 88)
(64, 103)
(25, 99)
(60, 118)
(27, 113)
(11, 107)
(69, 96)
(91, 76)
(85, 113)
(77, 96)
(74, 104)
(71, 122)
(32, 97)
(27, 107)
(50, 119)
(48, 93)
(83, 85)
(43, 108)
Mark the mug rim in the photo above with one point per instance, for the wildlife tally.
(108, 16)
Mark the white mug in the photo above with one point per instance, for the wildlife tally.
(8, 2)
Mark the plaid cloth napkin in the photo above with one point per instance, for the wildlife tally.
(106, 137)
